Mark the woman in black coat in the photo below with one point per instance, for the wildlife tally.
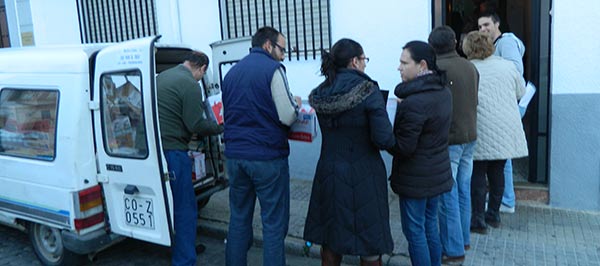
(421, 164)
(348, 211)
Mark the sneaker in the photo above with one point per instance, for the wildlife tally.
(506, 209)
(446, 260)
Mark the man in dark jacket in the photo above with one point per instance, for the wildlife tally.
(181, 114)
(258, 110)
(455, 205)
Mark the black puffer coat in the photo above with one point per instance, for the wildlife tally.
(421, 164)
(348, 209)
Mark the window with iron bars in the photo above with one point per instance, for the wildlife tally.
(305, 23)
(116, 20)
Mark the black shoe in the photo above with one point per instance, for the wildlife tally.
(200, 249)
(480, 230)
(492, 223)
(446, 260)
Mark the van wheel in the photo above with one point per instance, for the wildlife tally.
(48, 246)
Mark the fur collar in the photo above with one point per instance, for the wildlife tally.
(337, 103)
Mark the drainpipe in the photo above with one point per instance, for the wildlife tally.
(175, 14)
(12, 20)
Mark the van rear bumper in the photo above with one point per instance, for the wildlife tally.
(88, 243)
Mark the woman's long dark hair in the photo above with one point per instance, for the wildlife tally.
(423, 51)
(340, 56)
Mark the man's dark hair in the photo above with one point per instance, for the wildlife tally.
(495, 18)
(197, 59)
(442, 39)
(263, 34)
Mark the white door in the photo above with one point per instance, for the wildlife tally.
(132, 169)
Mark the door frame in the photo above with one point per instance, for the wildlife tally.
(538, 64)
(125, 177)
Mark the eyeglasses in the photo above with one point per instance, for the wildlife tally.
(283, 50)
(364, 58)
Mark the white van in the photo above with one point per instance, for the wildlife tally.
(81, 165)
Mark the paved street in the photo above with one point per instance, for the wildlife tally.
(15, 249)
(534, 235)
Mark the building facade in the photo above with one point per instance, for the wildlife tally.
(561, 123)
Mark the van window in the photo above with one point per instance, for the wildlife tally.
(122, 115)
(28, 123)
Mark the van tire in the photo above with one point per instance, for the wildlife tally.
(48, 246)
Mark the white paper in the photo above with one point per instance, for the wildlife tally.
(390, 107)
(529, 92)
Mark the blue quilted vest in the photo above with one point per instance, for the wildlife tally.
(252, 127)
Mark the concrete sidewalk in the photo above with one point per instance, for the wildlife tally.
(534, 235)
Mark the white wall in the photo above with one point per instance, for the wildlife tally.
(193, 23)
(382, 29)
(575, 47)
(575, 86)
(55, 22)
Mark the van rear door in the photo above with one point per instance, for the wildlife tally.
(131, 167)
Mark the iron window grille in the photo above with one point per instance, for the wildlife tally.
(305, 23)
(116, 20)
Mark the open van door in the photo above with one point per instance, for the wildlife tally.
(131, 168)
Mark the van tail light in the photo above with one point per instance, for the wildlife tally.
(90, 210)
(90, 198)
(89, 221)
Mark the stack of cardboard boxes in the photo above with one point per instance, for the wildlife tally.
(29, 126)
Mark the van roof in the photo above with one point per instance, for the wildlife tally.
(49, 59)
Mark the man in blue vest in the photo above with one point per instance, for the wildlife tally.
(258, 111)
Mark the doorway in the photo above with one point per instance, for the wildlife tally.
(530, 21)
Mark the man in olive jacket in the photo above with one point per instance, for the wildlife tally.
(181, 114)
(455, 205)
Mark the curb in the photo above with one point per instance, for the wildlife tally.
(293, 245)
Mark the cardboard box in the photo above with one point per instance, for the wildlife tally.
(305, 127)
(122, 132)
(23, 117)
(198, 165)
(216, 106)
(131, 96)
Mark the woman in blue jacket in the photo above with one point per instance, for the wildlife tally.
(421, 164)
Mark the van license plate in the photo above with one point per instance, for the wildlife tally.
(139, 211)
